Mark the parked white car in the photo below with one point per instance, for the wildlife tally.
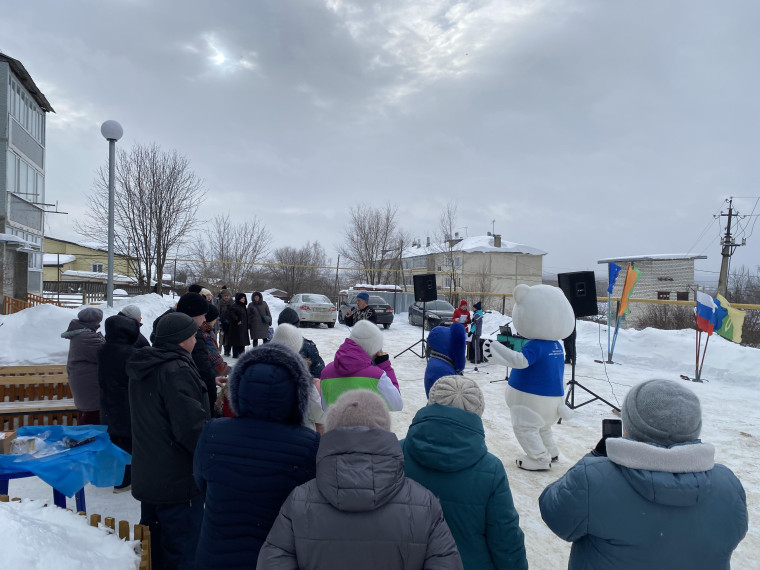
(314, 308)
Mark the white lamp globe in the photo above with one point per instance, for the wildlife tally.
(111, 130)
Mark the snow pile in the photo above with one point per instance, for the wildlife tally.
(33, 336)
(36, 536)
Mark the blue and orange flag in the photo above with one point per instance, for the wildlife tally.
(631, 276)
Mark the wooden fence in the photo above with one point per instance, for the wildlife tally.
(141, 532)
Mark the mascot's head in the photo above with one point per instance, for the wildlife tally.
(542, 312)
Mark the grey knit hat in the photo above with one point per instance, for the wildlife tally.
(662, 412)
(174, 328)
(131, 311)
(458, 392)
(358, 408)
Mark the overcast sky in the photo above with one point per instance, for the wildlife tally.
(588, 129)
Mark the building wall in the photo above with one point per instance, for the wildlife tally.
(667, 276)
(85, 258)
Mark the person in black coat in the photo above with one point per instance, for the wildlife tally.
(133, 311)
(121, 334)
(195, 306)
(238, 327)
(168, 408)
(249, 464)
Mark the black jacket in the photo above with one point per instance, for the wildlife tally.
(169, 408)
(238, 333)
(365, 314)
(121, 334)
(313, 360)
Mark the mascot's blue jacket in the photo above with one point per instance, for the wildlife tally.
(249, 464)
(447, 353)
(647, 506)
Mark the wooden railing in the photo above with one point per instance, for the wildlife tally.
(37, 394)
(141, 532)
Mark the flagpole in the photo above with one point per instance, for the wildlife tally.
(704, 352)
(614, 340)
(696, 363)
(609, 319)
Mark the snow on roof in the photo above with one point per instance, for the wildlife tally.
(474, 244)
(378, 287)
(653, 257)
(99, 275)
(56, 259)
(10, 238)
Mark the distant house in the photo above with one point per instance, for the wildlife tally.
(665, 276)
(279, 294)
(70, 261)
(482, 264)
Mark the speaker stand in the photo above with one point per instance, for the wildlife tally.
(570, 398)
(422, 341)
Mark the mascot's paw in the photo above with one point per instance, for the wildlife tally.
(529, 464)
(565, 413)
(495, 351)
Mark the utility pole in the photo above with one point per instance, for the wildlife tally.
(729, 247)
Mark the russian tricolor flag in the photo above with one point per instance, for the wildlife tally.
(705, 312)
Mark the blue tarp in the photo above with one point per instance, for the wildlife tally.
(99, 462)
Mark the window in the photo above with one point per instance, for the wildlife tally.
(682, 296)
(97, 268)
(663, 295)
(457, 262)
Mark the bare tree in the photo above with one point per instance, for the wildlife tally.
(444, 246)
(156, 197)
(227, 252)
(300, 270)
(371, 242)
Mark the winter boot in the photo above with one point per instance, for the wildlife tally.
(529, 464)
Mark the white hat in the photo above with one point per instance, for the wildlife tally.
(358, 408)
(458, 392)
(289, 336)
(368, 336)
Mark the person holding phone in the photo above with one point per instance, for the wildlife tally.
(657, 499)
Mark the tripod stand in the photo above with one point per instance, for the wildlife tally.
(422, 341)
(570, 398)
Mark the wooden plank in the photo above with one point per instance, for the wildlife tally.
(110, 522)
(33, 369)
(34, 380)
(124, 530)
(33, 406)
(94, 520)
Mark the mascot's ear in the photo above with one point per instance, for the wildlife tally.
(520, 292)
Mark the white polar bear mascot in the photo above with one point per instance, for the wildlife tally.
(535, 394)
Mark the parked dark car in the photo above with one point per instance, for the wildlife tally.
(382, 309)
(436, 313)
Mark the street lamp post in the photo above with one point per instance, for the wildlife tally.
(112, 132)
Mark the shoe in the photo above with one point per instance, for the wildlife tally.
(555, 459)
(529, 464)
(123, 489)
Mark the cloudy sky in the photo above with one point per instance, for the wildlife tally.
(588, 129)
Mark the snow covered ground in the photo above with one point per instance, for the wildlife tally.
(730, 418)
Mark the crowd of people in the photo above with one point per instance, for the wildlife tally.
(285, 462)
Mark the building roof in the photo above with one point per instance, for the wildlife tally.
(474, 244)
(654, 257)
(57, 259)
(10, 238)
(100, 276)
(26, 80)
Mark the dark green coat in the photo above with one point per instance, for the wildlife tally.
(445, 451)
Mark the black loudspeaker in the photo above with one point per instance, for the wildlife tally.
(580, 289)
(424, 288)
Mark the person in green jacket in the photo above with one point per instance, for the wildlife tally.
(445, 451)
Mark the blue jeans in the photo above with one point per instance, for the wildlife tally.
(174, 533)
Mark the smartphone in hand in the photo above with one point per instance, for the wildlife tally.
(612, 428)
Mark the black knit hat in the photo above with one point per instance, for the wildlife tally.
(288, 316)
(192, 304)
(194, 288)
(213, 313)
(173, 328)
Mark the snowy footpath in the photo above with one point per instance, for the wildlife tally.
(730, 418)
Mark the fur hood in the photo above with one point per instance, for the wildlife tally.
(271, 383)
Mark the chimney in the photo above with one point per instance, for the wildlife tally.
(427, 243)
(456, 234)
(496, 240)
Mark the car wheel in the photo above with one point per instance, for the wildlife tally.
(340, 318)
(410, 319)
(330, 325)
(428, 325)
(386, 325)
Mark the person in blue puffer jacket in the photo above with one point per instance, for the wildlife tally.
(445, 451)
(249, 464)
(657, 500)
(446, 353)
